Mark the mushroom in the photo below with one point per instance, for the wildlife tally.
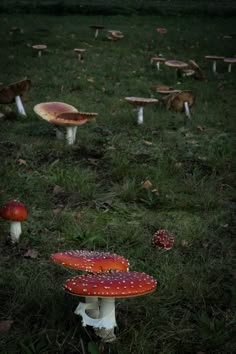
(214, 58)
(97, 28)
(108, 287)
(15, 212)
(61, 114)
(79, 52)
(165, 90)
(180, 102)
(94, 262)
(115, 35)
(163, 239)
(161, 30)
(158, 60)
(39, 48)
(140, 102)
(177, 64)
(13, 93)
(230, 61)
(198, 73)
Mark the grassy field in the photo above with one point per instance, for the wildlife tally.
(90, 196)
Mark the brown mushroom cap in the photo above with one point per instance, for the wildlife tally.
(39, 46)
(176, 64)
(158, 59)
(50, 110)
(140, 101)
(176, 101)
(69, 118)
(230, 60)
(96, 26)
(91, 261)
(213, 57)
(8, 93)
(163, 89)
(114, 284)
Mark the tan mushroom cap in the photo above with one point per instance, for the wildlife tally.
(176, 64)
(68, 118)
(213, 57)
(230, 60)
(163, 89)
(39, 46)
(140, 101)
(176, 101)
(8, 93)
(50, 110)
(79, 50)
(158, 59)
(112, 285)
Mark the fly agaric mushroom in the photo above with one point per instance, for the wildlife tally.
(15, 212)
(79, 52)
(97, 28)
(158, 61)
(39, 48)
(214, 58)
(14, 92)
(93, 262)
(140, 102)
(163, 239)
(51, 111)
(180, 102)
(108, 287)
(230, 61)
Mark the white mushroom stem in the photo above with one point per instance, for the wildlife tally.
(158, 65)
(93, 312)
(96, 32)
(39, 53)
(187, 110)
(140, 115)
(59, 134)
(20, 106)
(15, 231)
(104, 325)
(71, 134)
(229, 68)
(214, 66)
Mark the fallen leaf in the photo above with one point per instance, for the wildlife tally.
(199, 127)
(90, 79)
(147, 142)
(5, 325)
(31, 253)
(22, 162)
(147, 184)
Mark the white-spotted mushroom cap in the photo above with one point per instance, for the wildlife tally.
(91, 261)
(50, 110)
(113, 284)
(176, 64)
(140, 101)
(163, 239)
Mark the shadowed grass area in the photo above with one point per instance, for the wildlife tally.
(92, 195)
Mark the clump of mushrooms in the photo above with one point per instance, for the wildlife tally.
(15, 212)
(14, 92)
(108, 287)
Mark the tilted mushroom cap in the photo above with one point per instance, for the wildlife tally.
(176, 101)
(8, 93)
(163, 239)
(176, 64)
(198, 73)
(140, 101)
(113, 284)
(91, 261)
(69, 118)
(50, 110)
(14, 211)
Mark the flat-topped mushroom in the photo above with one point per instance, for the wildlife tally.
(97, 28)
(214, 59)
(79, 52)
(15, 212)
(51, 112)
(108, 287)
(14, 92)
(140, 102)
(158, 61)
(163, 89)
(181, 102)
(39, 48)
(230, 61)
(176, 64)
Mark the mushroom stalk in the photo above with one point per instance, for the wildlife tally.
(59, 134)
(158, 65)
(229, 68)
(140, 115)
(39, 53)
(71, 135)
(15, 231)
(20, 106)
(187, 110)
(93, 312)
(214, 66)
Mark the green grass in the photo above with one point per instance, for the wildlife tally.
(90, 195)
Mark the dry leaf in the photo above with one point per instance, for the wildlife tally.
(21, 162)
(5, 325)
(147, 142)
(147, 184)
(155, 191)
(199, 127)
(90, 79)
(31, 253)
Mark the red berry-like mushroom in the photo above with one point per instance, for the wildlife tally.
(163, 239)
(15, 212)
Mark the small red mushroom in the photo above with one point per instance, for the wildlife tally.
(161, 30)
(163, 239)
(15, 212)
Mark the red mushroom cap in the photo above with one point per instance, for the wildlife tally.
(14, 211)
(163, 239)
(161, 30)
(114, 284)
(91, 261)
